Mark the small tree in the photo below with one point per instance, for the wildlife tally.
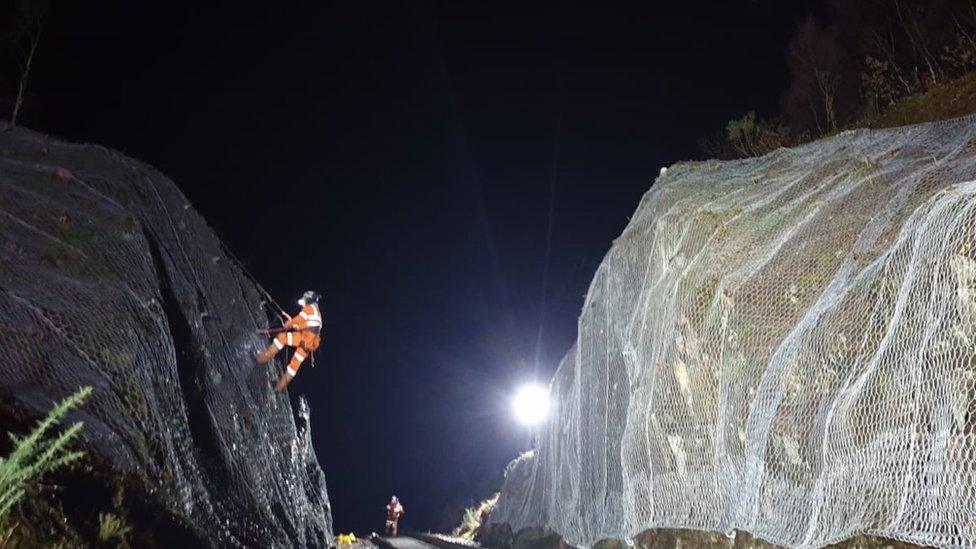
(815, 61)
(38, 453)
(24, 36)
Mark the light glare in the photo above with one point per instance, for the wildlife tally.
(531, 404)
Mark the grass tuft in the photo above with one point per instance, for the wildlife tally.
(113, 530)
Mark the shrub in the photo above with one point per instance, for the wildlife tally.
(749, 137)
(879, 85)
(961, 56)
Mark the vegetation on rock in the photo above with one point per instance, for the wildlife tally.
(874, 64)
(39, 453)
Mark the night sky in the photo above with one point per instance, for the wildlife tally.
(408, 161)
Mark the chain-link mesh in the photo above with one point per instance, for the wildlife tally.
(784, 345)
(109, 278)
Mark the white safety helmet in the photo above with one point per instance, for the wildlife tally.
(308, 297)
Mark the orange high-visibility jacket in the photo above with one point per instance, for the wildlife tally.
(303, 334)
(309, 318)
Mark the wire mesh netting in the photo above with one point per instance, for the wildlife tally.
(784, 345)
(109, 278)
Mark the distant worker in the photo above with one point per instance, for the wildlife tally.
(393, 513)
(300, 332)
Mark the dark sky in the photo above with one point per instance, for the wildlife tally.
(402, 158)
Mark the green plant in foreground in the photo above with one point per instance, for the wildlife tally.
(474, 517)
(38, 453)
(112, 529)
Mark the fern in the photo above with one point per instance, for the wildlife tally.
(38, 453)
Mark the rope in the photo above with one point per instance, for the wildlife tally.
(264, 293)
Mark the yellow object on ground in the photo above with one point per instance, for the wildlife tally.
(346, 539)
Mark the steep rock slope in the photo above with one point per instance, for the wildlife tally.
(109, 278)
(784, 345)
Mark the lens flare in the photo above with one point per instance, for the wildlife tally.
(531, 404)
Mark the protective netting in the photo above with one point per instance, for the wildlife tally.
(109, 278)
(784, 345)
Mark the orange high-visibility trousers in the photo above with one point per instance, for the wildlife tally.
(305, 339)
(305, 342)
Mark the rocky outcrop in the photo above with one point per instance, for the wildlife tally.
(780, 345)
(110, 279)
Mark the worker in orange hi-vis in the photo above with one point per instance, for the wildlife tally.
(300, 332)
(394, 510)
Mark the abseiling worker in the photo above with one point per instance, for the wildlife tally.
(302, 333)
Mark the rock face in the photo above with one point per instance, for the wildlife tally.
(109, 278)
(784, 345)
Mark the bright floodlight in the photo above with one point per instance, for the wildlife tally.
(531, 404)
